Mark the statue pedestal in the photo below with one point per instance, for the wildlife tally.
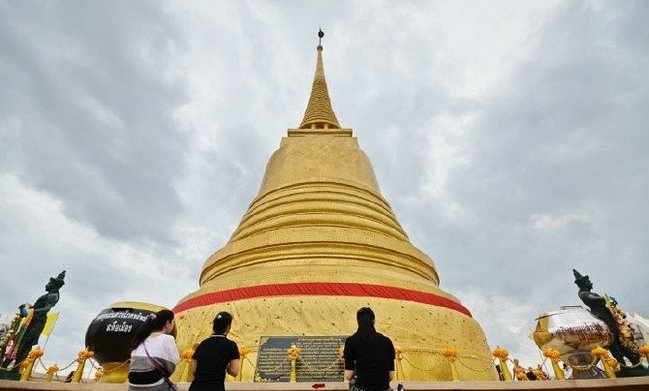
(13, 374)
(633, 372)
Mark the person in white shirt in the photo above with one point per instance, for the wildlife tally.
(154, 356)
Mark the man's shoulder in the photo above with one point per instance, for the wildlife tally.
(382, 336)
(352, 338)
(218, 341)
(387, 340)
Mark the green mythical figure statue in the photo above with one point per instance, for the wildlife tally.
(622, 346)
(27, 329)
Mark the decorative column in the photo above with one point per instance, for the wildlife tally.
(81, 360)
(243, 352)
(398, 353)
(451, 355)
(99, 374)
(51, 370)
(293, 354)
(607, 362)
(28, 363)
(555, 357)
(186, 359)
(502, 354)
(644, 352)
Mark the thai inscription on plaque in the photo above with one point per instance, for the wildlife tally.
(319, 359)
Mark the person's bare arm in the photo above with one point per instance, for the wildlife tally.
(233, 368)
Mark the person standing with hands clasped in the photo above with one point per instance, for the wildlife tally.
(154, 356)
(215, 356)
(369, 356)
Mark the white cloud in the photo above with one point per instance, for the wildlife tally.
(555, 223)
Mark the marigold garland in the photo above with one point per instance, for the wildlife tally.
(35, 353)
(500, 353)
(555, 356)
(552, 354)
(644, 351)
(449, 353)
(612, 363)
(243, 351)
(293, 352)
(187, 354)
(398, 352)
(25, 363)
(84, 355)
(53, 369)
(599, 352)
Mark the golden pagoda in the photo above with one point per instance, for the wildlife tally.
(318, 242)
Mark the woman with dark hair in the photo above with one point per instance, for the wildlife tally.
(368, 355)
(154, 354)
(215, 356)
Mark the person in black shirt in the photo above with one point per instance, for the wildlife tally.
(214, 356)
(369, 356)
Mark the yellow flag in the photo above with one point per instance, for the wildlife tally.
(49, 325)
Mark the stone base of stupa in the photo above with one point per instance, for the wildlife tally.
(419, 331)
(626, 384)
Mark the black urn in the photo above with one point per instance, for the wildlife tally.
(109, 336)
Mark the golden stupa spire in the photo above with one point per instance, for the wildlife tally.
(317, 242)
(319, 114)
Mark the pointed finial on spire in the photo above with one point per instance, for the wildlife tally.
(319, 114)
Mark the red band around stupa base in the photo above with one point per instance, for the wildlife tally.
(320, 289)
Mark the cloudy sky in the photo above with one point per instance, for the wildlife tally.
(509, 137)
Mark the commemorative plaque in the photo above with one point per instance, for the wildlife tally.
(319, 359)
